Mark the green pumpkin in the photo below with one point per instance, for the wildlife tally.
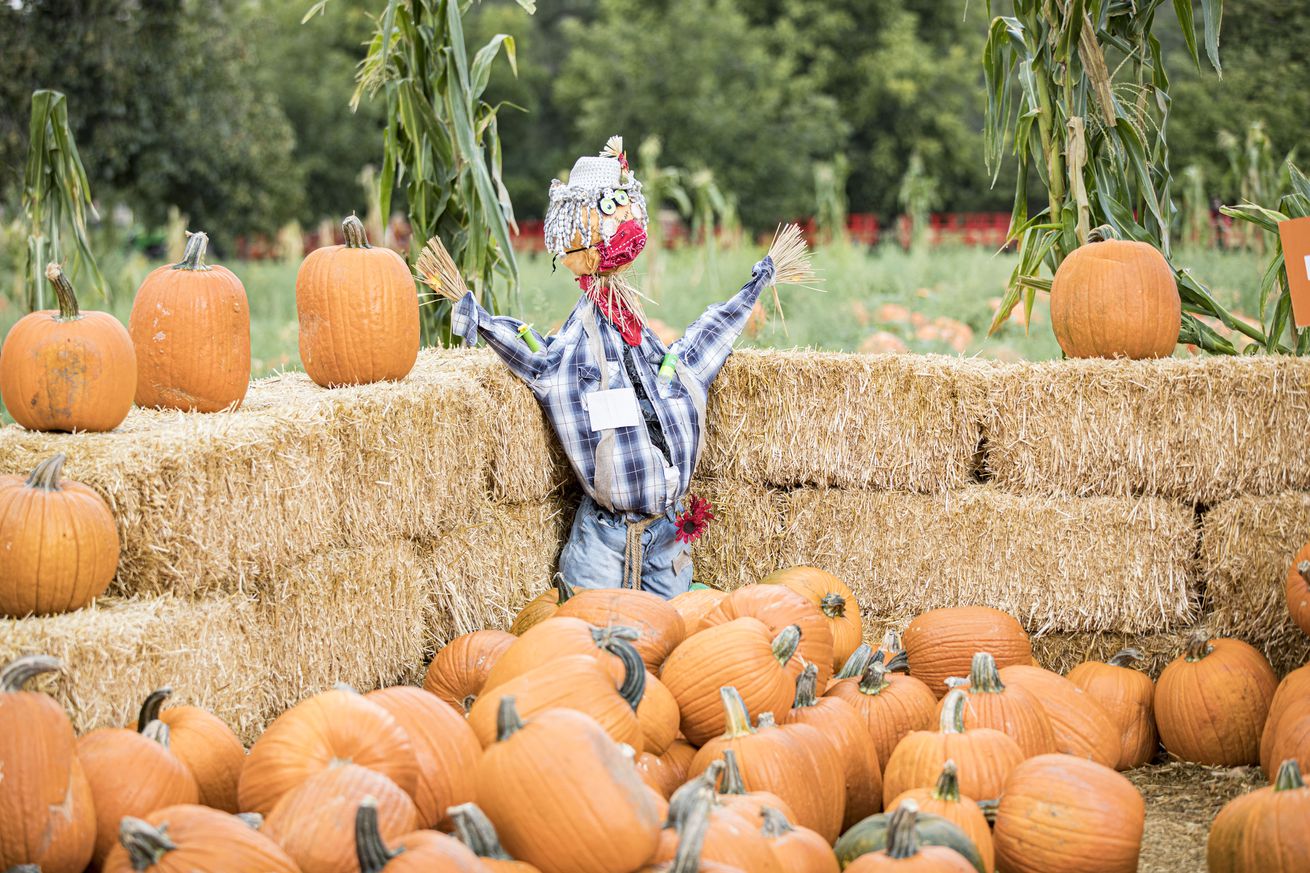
(870, 835)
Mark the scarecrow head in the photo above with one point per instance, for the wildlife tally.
(596, 224)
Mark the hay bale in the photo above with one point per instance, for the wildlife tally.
(741, 545)
(482, 570)
(117, 651)
(1062, 652)
(204, 503)
(792, 418)
(1057, 564)
(1247, 545)
(1197, 431)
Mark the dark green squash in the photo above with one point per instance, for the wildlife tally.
(870, 835)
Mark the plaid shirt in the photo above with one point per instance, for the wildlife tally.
(567, 369)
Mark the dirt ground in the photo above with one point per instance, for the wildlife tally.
(1181, 801)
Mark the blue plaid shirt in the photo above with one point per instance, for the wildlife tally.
(567, 368)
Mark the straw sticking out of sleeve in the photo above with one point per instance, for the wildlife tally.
(436, 269)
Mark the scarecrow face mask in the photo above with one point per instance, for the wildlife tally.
(617, 234)
(596, 224)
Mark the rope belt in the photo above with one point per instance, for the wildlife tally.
(632, 557)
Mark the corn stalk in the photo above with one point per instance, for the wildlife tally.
(1078, 90)
(830, 179)
(56, 196)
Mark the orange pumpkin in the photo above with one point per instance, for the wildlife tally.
(193, 839)
(695, 604)
(542, 607)
(732, 794)
(1128, 698)
(945, 799)
(984, 757)
(740, 654)
(562, 766)
(1079, 724)
(1059, 811)
(315, 821)
(459, 671)
(666, 772)
(659, 626)
(659, 717)
(445, 749)
(701, 836)
(891, 704)
(560, 637)
(778, 607)
(1289, 738)
(940, 643)
(1010, 709)
(798, 850)
(1211, 702)
(1115, 298)
(1294, 688)
(190, 325)
(46, 812)
(477, 832)
(131, 773)
(205, 744)
(834, 598)
(66, 370)
(59, 542)
(1297, 589)
(358, 311)
(1264, 831)
(334, 726)
(849, 735)
(823, 766)
(903, 852)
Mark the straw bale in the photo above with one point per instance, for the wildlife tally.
(482, 571)
(116, 651)
(802, 417)
(1247, 545)
(743, 543)
(353, 615)
(1057, 564)
(204, 503)
(1196, 431)
(1062, 652)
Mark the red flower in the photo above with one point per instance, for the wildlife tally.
(692, 523)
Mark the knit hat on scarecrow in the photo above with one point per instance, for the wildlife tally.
(628, 410)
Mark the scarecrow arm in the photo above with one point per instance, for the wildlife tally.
(504, 334)
(708, 341)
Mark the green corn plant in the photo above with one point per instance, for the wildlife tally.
(830, 197)
(442, 143)
(1255, 175)
(1196, 225)
(918, 197)
(1078, 91)
(56, 198)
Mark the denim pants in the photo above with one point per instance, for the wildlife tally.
(597, 551)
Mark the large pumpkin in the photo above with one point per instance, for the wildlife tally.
(834, 598)
(542, 607)
(1288, 739)
(477, 832)
(1059, 811)
(941, 643)
(1127, 697)
(205, 744)
(1264, 831)
(338, 726)
(659, 626)
(1297, 589)
(190, 325)
(562, 797)
(59, 542)
(695, 604)
(1212, 701)
(945, 799)
(358, 311)
(1294, 688)
(560, 637)
(732, 793)
(700, 833)
(666, 772)
(65, 370)
(459, 671)
(821, 761)
(1115, 299)
(798, 849)
(778, 606)
(908, 840)
(1011, 710)
(193, 839)
(892, 705)
(46, 812)
(1078, 723)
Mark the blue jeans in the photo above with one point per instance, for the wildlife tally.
(596, 554)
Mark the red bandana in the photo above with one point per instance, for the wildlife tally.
(613, 308)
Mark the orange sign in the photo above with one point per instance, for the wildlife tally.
(1296, 252)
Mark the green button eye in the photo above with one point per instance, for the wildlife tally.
(621, 197)
(607, 205)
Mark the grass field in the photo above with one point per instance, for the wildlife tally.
(934, 300)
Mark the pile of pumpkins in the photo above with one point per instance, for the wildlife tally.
(610, 731)
(187, 347)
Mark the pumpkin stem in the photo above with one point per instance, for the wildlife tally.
(1125, 657)
(508, 721)
(608, 637)
(874, 680)
(371, 851)
(952, 718)
(151, 707)
(633, 687)
(984, 678)
(14, 675)
(1303, 569)
(775, 822)
(252, 820)
(902, 837)
(563, 590)
(766, 720)
(468, 702)
(891, 642)
(46, 475)
(833, 605)
(738, 718)
(731, 783)
(691, 829)
(687, 795)
(24, 868)
(145, 843)
(1102, 233)
(1289, 776)
(948, 784)
(157, 731)
(193, 256)
(786, 643)
(1198, 646)
(856, 663)
(477, 832)
(806, 687)
(356, 236)
(899, 663)
(64, 293)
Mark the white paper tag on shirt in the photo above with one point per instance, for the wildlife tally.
(613, 409)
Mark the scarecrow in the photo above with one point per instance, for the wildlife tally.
(629, 411)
